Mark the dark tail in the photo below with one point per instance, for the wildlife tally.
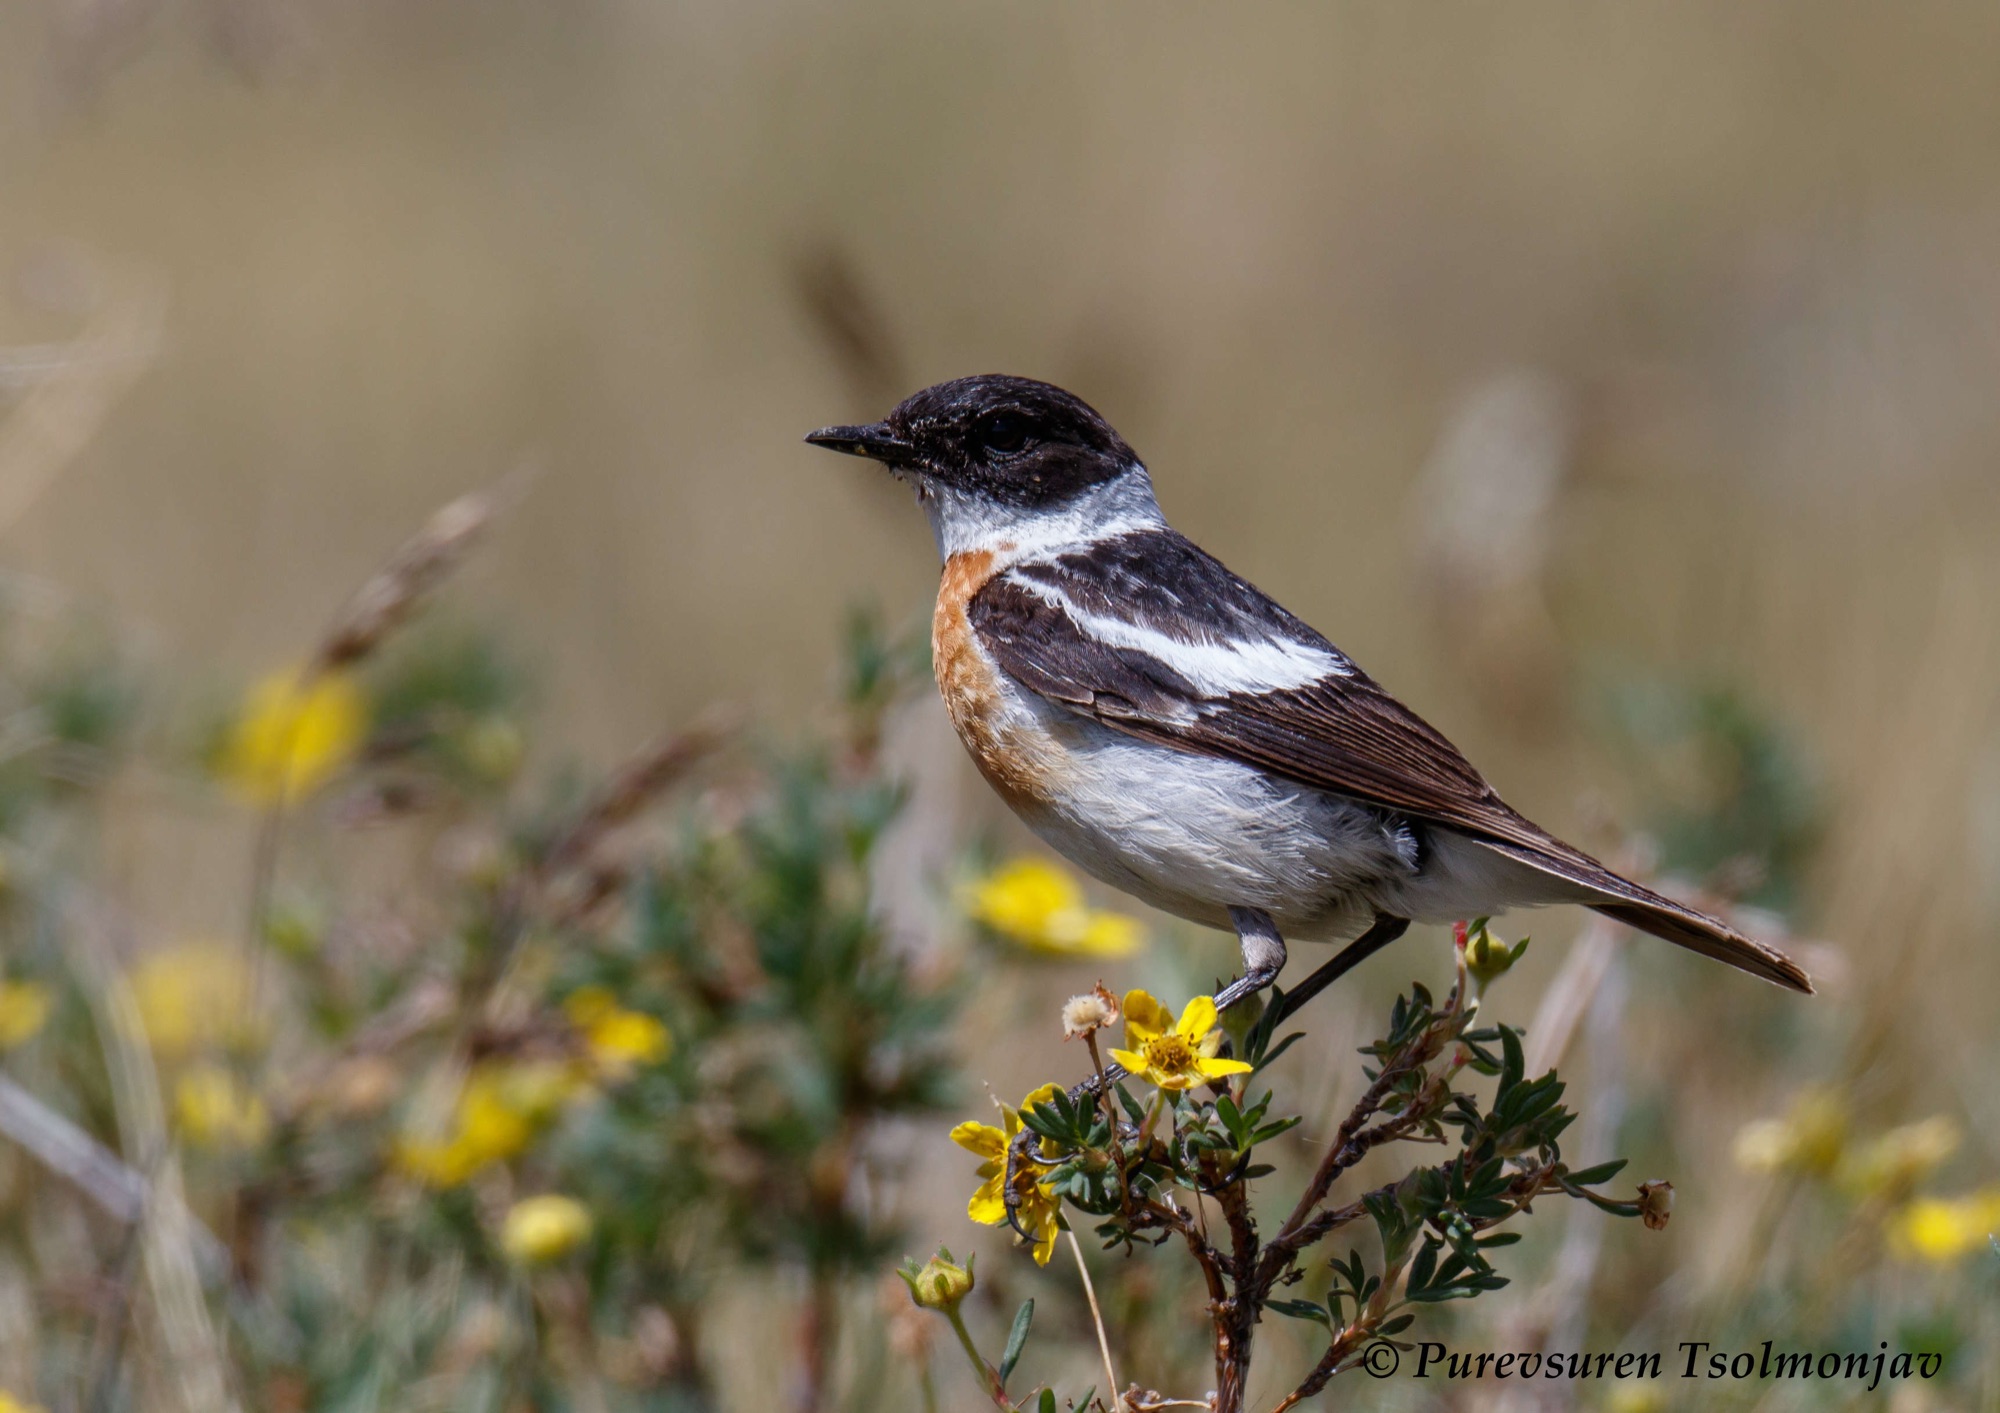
(1619, 897)
(1698, 932)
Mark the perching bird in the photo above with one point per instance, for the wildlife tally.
(1177, 734)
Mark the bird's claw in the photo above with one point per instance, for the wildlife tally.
(1021, 1150)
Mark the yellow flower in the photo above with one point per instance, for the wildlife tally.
(1810, 1139)
(1173, 1054)
(1647, 1397)
(11, 1404)
(498, 1114)
(537, 1230)
(24, 1009)
(292, 737)
(194, 996)
(1892, 1164)
(1039, 1213)
(1038, 905)
(619, 1040)
(216, 1110)
(1941, 1230)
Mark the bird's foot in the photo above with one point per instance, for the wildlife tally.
(1021, 1151)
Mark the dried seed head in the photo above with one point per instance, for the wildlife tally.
(1656, 1204)
(417, 567)
(1095, 1010)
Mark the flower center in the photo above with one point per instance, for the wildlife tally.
(1169, 1053)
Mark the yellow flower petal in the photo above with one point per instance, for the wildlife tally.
(1942, 1230)
(1132, 1060)
(987, 1207)
(545, 1228)
(498, 1113)
(194, 996)
(1216, 1069)
(1144, 1018)
(1040, 906)
(216, 1110)
(1197, 1019)
(982, 1139)
(1019, 897)
(1108, 934)
(24, 1009)
(619, 1040)
(1046, 1094)
(292, 737)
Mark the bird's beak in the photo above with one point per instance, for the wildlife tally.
(875, 441)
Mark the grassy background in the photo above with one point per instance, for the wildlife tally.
(1733, 267)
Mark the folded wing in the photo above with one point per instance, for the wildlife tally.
(1152, 636)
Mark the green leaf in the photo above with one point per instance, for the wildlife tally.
(1048, 1403)
(1301, 1310)
(1045, 1123)
(1271, 1130)
(1231, 1116)
(1271, 1055)
(1017, 1339)
(1513, 1066)
(1603, 1172)
(1424, 1266)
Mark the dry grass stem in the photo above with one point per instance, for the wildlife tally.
(413, 571)
(1097, 1321)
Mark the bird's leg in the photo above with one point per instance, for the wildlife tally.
(1380, 934)
(1263, 956)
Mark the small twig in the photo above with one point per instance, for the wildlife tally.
(1350, 1144)
(633, 786)
(1097, 1319)
(989, 1377)
(166, 1230)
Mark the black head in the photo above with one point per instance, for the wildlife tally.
(1011, 440)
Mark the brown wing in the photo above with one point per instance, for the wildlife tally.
(1340, 733)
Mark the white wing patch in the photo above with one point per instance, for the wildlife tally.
(1216, 668)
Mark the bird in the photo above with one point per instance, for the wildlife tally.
(1177, 734)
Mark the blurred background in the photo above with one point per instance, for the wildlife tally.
(1617, 385)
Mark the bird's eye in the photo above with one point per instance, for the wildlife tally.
(1004, 431)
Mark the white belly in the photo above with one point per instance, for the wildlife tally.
(1195, 835)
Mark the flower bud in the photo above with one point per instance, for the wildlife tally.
(1486, 956)
(940, 1283)
(544, 1228)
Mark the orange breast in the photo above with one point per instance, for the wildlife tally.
(974, 694)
